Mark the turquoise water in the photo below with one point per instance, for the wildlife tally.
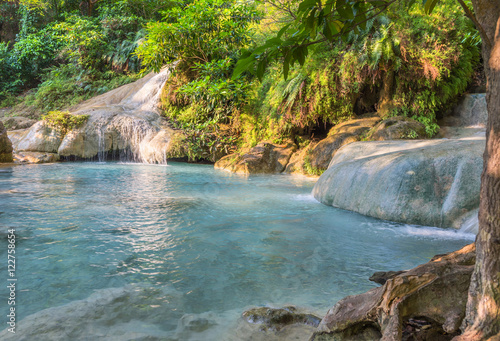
(192, 241)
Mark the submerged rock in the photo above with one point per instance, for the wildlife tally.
(432, 182)
(264, 158)
(35, 157)
(434, 293)
(124, 122)
(127, 313)
(5, 145)
(276, 319)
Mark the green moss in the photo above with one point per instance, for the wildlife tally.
(64, 121)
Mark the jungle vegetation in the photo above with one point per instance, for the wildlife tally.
(56, 53)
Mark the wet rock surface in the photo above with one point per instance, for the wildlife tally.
(423, 182)
(275, 319)
(36, 157)
(264, 158)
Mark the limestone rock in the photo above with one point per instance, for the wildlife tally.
(339, 136)
(297, 163)
(318, 155)
(18, 122)
(5, 145)
(436, 292)
(424, 182)
(36, 157)
(264, 158)
(114, 314)
(39, 138)
(277, 318)
(396, 128)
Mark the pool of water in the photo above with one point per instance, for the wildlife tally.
(180, 244)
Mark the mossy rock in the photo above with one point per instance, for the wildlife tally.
(397, 128)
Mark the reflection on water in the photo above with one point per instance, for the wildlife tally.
(220, 241)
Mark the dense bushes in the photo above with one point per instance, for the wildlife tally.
(404, 63)
(73, 56)
(204, 38)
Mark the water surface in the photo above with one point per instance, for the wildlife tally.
(199, 242)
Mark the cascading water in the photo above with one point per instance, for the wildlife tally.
(123, 124)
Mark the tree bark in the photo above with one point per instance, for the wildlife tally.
(482, 320)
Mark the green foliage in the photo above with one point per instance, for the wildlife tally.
(407, 59)
(203, 38)
(66, 85)
(64, 121)
(202, 31)
(310, 169)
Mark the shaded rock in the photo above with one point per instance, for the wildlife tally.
(264, 158)
(297, 163)
(18, 122)
(397, 128)
(322, 153)
(381, 277)
(5, 145)
(421, 294)
(276, 319)
(340, 135)
(317, 155)
(36, 157)
(432, 182)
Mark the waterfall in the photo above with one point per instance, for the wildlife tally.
(471, 224)
(124, 122)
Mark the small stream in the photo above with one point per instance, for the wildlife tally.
(180, 243)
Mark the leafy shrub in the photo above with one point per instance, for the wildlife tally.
(64, 121)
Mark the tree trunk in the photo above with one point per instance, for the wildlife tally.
(482, 320)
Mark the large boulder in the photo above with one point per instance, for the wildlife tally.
(340, 135)
(39, 138)
(432, 294)
(314, 158)
(262, 159)
(124, 122)
(431, 297)
(424, 182)
(5, 145)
